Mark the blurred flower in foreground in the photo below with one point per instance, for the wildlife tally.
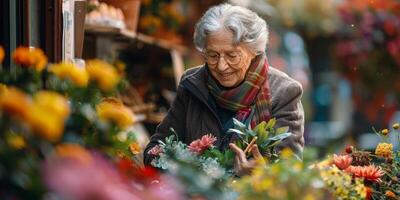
(103, 73)
(78, 75)
(135, 148)
(30, 57)
(2, 54)
(68, 177)
(47, 115)
(202, 144)
(14, 102)
(112, 109)
(95, 178)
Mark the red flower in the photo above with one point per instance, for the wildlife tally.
(371, 172)
(342, 161)
(202, 144)
(156, 150)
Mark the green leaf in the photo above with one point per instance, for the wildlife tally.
(239, 125)
(235, 131)
(281, 130)
(280, 136)
(271, 123)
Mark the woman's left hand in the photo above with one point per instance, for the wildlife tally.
(242, 166)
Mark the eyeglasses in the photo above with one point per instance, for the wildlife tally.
(232, 58)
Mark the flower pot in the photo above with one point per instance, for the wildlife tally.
(131, 10)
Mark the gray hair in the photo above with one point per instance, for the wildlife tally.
(246, 26)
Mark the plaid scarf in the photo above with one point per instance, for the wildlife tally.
(252, 95)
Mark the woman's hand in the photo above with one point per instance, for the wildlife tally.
(242, 166)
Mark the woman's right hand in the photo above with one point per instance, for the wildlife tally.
(243, 166)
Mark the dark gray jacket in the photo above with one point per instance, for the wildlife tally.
(192, 116)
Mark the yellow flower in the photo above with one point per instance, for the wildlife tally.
(14, 102)
(2, 54)
(396, 126)
(45, 123)
(74, 151)
(78, 75)
(385, 132)
(113, 110)
(53, 102)
(30, 57)
(389, 194)
(384, 150)
(104, 74)
(16, 141)
(135, 148)
(287, 153)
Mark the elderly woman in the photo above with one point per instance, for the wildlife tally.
(235, 82)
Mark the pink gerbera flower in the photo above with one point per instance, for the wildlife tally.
(371, 172)
(342, 161)
(202, 144)
(156, 150)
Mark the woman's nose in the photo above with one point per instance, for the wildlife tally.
(222, 65)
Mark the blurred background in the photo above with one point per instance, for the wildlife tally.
(345, 53)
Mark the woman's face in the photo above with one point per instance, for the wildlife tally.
(227, 62)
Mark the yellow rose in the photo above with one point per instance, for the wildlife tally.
(104, 74)
(113, 110)
(74, 151)
(78, 75)
(30, 57)
(2, 54)
(53, 102)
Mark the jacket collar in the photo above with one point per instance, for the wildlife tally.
(196, 82)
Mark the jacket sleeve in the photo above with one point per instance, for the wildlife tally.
(288, 111)
(175, 118)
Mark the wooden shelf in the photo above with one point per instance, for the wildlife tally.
(129, 35)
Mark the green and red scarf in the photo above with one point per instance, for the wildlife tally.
(252, 95)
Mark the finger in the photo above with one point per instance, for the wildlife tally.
(256, 152)
(237, 166)
(239, 153)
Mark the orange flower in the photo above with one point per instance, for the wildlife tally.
(135, 148)
(2, 54)
(370, 172)
(78, 75)
(14, 102)
(342, 161)
(104, 74)
(389, 194)
(30, 57)
(112, 109)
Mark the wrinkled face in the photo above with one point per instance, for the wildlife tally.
(227, 62)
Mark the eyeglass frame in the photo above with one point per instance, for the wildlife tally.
(219, 55)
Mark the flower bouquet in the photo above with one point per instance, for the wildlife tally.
(77, 107)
